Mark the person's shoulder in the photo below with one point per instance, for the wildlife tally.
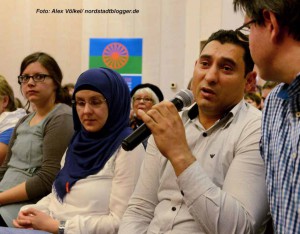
(248, 114)
(251, 110)
(275, 91)
(276, 97)
(138, 150)
(61, 113)
(63, 109)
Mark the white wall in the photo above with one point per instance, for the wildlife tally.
(171, 32)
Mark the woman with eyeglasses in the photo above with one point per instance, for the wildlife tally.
(39, 139)
(143, 97)
(91, 192)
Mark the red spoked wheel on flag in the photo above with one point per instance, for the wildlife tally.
(115, 55)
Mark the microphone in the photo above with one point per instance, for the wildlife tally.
(182, 99)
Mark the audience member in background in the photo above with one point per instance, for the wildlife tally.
(39, 139)
(18, 103)
(266, 89)
(203, 173)
(91, 192)
(70, 88)
(67, 92)
(67, 99)
(143, 97)
(274, 39)
(258, 90)
(9, 116)
(253, 99)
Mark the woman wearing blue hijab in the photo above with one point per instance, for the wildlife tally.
(91, 191)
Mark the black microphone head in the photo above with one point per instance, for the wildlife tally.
(186, 96)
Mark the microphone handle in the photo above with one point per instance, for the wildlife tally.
(178, 103)
(130, 142)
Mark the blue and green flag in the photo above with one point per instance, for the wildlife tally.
(122, 55)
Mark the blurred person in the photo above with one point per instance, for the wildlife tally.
(202, 173)
(18, 103)
(143, 97)
(9, 116)
(274, 39)
(258, 90)
(253, 99)
(66, 97)
(39, 139)
(266, 89)
(70, 88)
(91, 192)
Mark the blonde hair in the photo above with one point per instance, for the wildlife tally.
(149, 92)
(6, 90)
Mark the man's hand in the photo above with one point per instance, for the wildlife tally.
(169, 134)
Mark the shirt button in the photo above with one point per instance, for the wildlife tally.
(204, 134)
(294, 155)
(173, 208)
(297, 114)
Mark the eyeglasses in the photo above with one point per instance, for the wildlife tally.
(146, 99)
(94, 103)
(36, 78)
(243, 32)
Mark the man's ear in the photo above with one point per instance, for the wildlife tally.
(250, 85)
(272, 25)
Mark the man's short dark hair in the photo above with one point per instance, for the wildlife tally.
(286, 12)
(230, 36)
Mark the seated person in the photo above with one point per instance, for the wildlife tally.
(266, 89)
(39, 139)
(70, 88)
(18, 103)
(203, 173)
(91, 192)
(9, 116)
(143, 97)
(253, 99)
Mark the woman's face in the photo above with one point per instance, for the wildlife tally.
(142, 101)
(38, 92)
(92, 110)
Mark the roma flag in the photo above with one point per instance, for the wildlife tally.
(121, 55)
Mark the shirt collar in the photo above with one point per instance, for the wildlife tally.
(289, 90)
(193, 111)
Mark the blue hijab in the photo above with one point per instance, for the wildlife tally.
(88, 152)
